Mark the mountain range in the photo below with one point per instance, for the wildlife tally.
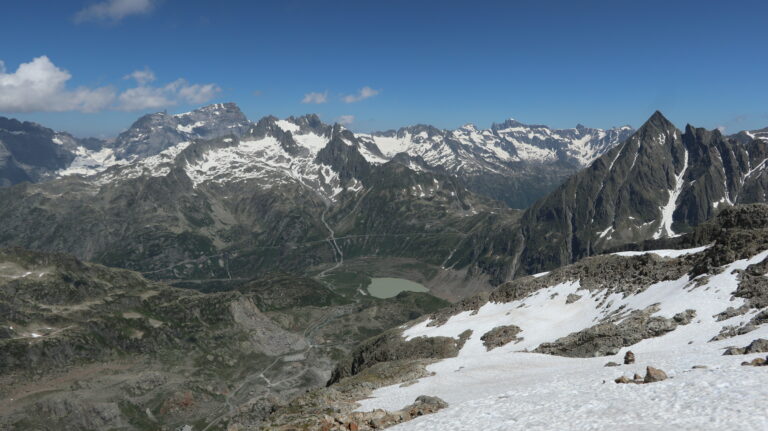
(207, 197)
(511, 161)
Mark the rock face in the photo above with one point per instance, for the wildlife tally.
(30, 152)
(153, 133)
(657, 184)
(391, 346)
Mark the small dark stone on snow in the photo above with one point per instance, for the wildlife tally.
(623, 379)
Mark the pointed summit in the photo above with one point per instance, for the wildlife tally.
(658, 121)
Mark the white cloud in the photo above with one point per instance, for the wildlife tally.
(364, 93)
(141, 76)
(346, 119)
(316, 98)
(113, 10)
(41, 86)
(178, 91)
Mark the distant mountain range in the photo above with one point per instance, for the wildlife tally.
(208, 195)
(511, 161)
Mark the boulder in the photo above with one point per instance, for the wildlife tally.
(629, 358)
(623, 379)
(654, 375)
(434, 402)
(612, 364)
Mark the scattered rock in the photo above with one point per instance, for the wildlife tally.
(623, 379)
(731, 312)
(629, 358)
(654, 375)
(685, 317)
(759, 345)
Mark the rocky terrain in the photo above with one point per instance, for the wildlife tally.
(691, 323)
(83, 346)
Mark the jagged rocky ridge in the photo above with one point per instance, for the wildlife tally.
(659, 183)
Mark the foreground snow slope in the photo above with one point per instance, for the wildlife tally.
(509, 388)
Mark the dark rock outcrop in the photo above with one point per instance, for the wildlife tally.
(608, 338)
(500, 336)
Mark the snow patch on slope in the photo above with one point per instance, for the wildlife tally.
(507, 388)
(668, 210)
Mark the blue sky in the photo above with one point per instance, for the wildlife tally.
(599, 63)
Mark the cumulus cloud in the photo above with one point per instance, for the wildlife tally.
(42, 86)
(178, 91)
(113, 10)
(316, 98)
(346, 119)
(364, 93)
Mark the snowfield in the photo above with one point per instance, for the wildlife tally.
(509, 389)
